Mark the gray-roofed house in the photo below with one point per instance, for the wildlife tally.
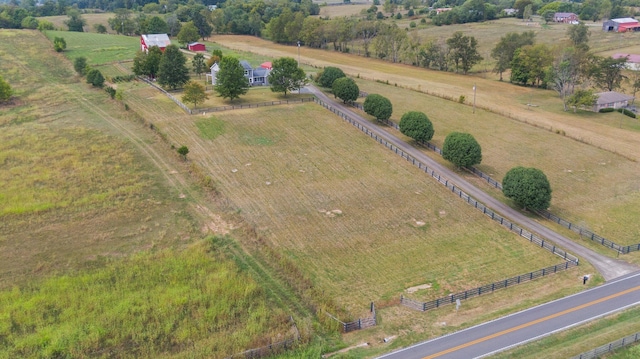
(566, 17)
(256, 76)
(149, 40)
(611, 99)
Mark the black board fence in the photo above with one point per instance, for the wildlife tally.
(489, 288)
(173, 98)
(607, 348)
(544, 213)
(360, 323)
(443, 180)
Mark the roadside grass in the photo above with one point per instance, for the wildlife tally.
(92, 19)
(583, 338)
(97, 48)
(151, 304)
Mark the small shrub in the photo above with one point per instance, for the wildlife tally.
(607, 109)
(423, 21)
(183, 151)
(399, 16)
(111, 91)
(462, 98)
(410, 13)
(412, 24)
(629, 113)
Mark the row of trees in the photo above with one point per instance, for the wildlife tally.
(527, 187)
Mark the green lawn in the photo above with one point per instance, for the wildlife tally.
(98, 48)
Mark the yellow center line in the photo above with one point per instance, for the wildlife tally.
(534, 322)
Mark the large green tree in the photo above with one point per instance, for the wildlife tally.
(582, 99)
(286, 76)
(527, 187)
(199, 66)
(230, 80)
(194, 93)
(95, 77)
(156, 25)
(5, 90)
(464, 51)
(173, 71)
(530, 64)
(608, 72)
(147, 63)
(378, 106)
(461, 149)
(504, 50)
(345, 89)
(328, 75)
(75, 21)
(416, 125)
(579, 36)
(188, 33)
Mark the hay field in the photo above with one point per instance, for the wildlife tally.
(342, 10)
(110, 48)
(360, 222)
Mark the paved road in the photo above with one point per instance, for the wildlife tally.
(529, 325)
(610, 268)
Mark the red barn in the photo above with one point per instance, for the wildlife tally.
(160, 40)
(196, 46)
(621, 25)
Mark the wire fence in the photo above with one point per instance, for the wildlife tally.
(360, 323)
(254, 105)
(583, 232)
(443, 180)
(607, 348)
(173, 98)
(489, 288)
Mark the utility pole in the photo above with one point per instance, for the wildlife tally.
(298, 53)
(474, 98)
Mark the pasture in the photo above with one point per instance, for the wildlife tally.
(97, 220)
(580, 153)
(92, 19)
(98, 48)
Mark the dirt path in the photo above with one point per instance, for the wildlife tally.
(609, 268)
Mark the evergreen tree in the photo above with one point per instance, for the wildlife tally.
(173, 71)
(230, 80)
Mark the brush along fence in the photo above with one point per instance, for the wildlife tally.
(178, 102)
(489, 288)
(360, 323)
(544, 213)
(271, 349)
(254, 105)
(456, 190)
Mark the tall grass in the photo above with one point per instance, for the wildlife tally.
(192, 302)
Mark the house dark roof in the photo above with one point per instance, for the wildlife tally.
(160, 40)
(245, 65)
(260, 71)
(611, 97)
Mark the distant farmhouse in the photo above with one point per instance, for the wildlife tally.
(633, 60)
(150, 40)
(611, 99)
(621, 25)
(510, 12)
(257, 76)
(565, 17)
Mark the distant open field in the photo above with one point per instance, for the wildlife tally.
(343, 10)
(92, 19)
(85, 185)
(111, 47)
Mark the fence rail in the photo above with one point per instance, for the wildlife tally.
(360, 323)
(544, 213)
(443, 180)
(489, 288)
(254, 105)
(599, 351)
(267, 350)
(173, 98)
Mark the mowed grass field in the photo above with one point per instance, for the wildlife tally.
(101, 251)
(592, 187)
(346, 210)
(98, 48)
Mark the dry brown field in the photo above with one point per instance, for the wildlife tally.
(342, 10)
(92, 19)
